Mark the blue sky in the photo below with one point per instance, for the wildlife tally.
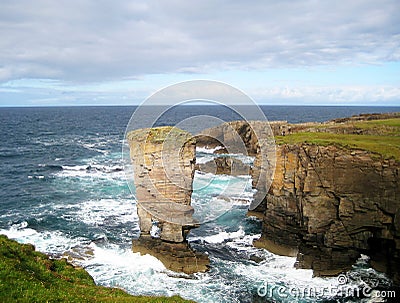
(278, 52)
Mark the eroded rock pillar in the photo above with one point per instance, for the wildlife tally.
(163, 159)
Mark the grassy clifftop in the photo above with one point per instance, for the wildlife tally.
(159, 134)
(30, 276)
(381, 137)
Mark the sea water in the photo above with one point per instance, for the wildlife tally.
(64, 190)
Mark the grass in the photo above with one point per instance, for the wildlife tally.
(386, 126)
(386, 146)
(395, 122)
(381, 137)
(159, 134)
(30, 276)
(390, 127)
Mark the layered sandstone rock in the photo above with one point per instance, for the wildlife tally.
(224, 165)
(240, 136)
(327, 204)
(177, 257)
(163, 160)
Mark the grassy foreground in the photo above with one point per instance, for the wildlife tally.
(30, 276)
(386, 141)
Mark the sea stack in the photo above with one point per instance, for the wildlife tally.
(163, 160)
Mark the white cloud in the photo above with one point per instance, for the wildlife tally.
(343, 95)
(91, 40)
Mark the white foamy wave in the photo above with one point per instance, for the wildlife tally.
(123, 260)
(94, 167)
(94, 147)
(204, 159)
(221, 237)
(114, 266)
(280, 269)
(99, 143)
(102, 212)
(109, 172)
(138, 274)
(244, 243)
(39, 177)
(51, 242)
(75, 167)
(146, 275)
(208, 150)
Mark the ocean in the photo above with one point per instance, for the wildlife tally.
(63, 189)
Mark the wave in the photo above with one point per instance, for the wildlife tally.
(221, 237)
(92, 168)
(229, 280)
(200, 159)
(50, 242)
(109, 212)
(39, 177)
(110, 171)
(208, 150)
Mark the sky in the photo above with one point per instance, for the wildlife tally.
(87, 52)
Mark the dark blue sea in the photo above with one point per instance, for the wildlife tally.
(63, 189)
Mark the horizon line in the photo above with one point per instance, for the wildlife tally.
(137, 105)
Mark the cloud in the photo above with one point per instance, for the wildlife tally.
(340, 95)
(45, 92)
(91, 40)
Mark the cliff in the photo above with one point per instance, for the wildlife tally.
(335, 191)
(336, 194)
(326, 205)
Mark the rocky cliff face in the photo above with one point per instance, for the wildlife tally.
(163, 160)
(326, 205)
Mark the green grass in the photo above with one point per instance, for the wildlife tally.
(159, 134)
(382, 136)
(390, 127)
(395, 122)
(30, 276)
(386, 146)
